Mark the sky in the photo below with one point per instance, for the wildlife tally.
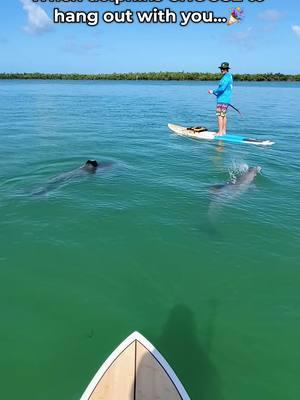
(266, 40)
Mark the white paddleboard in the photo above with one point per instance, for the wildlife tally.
(209, 135)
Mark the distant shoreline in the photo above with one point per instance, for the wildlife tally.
(153, 76)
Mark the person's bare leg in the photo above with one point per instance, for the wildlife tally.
(220, 125)
(224, 130)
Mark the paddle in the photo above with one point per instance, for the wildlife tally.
(236, 109)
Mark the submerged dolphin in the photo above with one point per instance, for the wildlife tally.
(230, 190)
(89, 167)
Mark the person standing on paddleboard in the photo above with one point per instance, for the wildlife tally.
(223, 93)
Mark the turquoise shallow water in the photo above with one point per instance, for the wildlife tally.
(134, 246)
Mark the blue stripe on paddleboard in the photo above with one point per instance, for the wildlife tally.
(231, 138)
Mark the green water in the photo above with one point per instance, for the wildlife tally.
(134, 247)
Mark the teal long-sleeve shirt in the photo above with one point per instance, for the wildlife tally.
(224, 91)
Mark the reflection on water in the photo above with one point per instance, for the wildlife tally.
(219, 149)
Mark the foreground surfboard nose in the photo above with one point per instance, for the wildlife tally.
(135, 371)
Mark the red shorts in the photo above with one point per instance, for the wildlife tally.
(221, 109)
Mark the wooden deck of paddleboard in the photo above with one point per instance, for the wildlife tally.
(135, 371)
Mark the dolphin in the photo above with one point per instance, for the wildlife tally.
(89, 167)
(230, 190)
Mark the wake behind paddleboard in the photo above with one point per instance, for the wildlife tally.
(208, 135)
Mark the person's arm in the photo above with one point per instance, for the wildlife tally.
(222, 87)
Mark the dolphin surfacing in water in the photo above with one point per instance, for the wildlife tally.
(89, 167)
(228, 191)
